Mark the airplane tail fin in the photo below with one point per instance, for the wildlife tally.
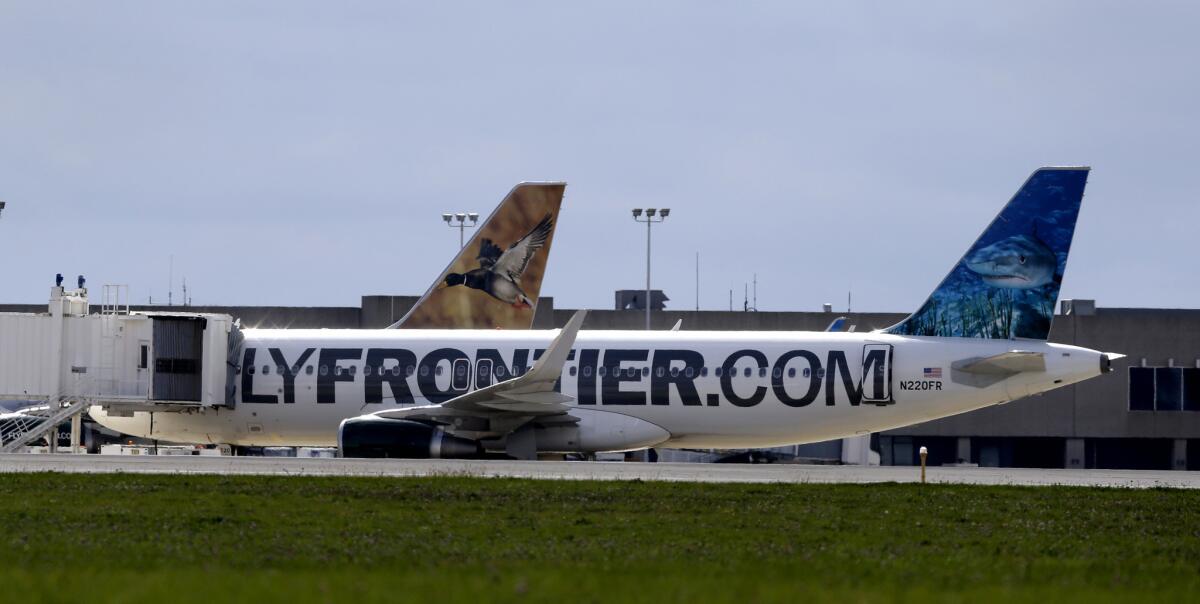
(495, 279)
(1006, 285)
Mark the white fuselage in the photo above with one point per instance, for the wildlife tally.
(773, 388)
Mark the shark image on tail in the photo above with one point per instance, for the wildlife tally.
(1007, 283)
(1019, 262)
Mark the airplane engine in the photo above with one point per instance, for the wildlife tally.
(601, 431)
(401, 438)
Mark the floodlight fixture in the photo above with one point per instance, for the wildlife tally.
(649, 220)
(459, 220)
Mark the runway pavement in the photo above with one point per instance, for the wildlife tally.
(783, 473)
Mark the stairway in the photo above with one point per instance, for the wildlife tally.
(20, 430)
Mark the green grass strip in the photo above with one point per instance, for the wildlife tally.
(96, 538)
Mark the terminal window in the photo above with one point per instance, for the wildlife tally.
(1164, 389)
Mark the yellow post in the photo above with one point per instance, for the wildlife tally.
(924, 454)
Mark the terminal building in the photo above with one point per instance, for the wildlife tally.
(1144, 415)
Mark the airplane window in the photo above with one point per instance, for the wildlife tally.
(461, 370)
(250, 370)
(688, 372)
(237, 370)
(821, 373)
(792, 372)
(762, 372)
(659, 371)
(337, 370)
(674, 371)
(410, 371)
(500, 371)
(324, 370)
(367, 370)
(704, 372)
(424, 370)
(572, 371)
(353, 369)
(587, 372)
(807, 372)
(602, 372)
(280, 369)
(645, 372)
(747, 372)
(718, 371)
(437, 370)
(266, 370)
(396, 371)
(777, 372)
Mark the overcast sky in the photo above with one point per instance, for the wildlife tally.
(301, 153)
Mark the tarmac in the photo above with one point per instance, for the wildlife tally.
(581, 470)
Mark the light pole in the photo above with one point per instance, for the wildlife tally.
(649, 220)
(459, 220)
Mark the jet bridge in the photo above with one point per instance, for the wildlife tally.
(69, 358)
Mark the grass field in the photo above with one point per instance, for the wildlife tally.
(136, 538)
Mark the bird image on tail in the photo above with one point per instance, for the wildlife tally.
(499, 272)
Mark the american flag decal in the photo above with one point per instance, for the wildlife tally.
(933, 373)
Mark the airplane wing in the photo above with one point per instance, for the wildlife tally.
(521, 398)
(514, 260)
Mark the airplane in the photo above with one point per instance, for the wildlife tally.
(978, 340)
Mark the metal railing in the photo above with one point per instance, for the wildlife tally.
(31, 424)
